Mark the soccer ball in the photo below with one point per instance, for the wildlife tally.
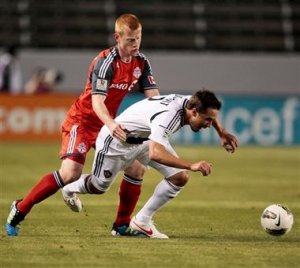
(277, 220)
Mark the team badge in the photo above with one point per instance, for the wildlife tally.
(101, 84)
(81, 148)
(137, 72)
(107, 173)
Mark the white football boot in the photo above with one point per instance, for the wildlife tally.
(72, 201)
(148, 229)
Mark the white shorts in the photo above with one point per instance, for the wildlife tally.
(112, 156)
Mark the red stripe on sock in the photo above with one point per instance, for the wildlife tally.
(46, 187)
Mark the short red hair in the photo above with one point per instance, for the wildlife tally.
(128, 20)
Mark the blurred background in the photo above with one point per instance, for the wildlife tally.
(245, 51)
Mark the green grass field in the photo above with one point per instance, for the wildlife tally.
(214, 222)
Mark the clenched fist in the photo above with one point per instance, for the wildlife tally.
(202, 166)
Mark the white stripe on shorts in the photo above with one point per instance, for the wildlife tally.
(73, 135)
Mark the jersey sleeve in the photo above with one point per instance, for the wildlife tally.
(146, 80)
(101, 76)
(165, 124)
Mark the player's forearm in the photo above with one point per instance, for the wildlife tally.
(151, 93)
(101, 111)
(158, 153)
(218, 127)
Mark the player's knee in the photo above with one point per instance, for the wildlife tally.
(180, 179)
(69, 176)
(70, 171)
(184, 178)
(97, 186)
(93, 190)
(136, 171)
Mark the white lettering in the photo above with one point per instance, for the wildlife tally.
(265, 128)
(242, 115)
(19, 120)
(132, 85)
(289, 115)
(48, 120)
(119, 86)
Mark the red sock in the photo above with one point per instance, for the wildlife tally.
(46, 187)
(129, 192)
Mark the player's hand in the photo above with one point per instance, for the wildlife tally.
(118, 132)
(204, 167)
(229, 142)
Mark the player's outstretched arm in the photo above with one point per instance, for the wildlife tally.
(158, 153)
(228, 141)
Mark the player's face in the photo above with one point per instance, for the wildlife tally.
(129, 41)
(203, 120)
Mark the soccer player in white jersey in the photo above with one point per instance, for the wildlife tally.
(149, 124)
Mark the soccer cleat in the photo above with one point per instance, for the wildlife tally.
(11, 230)
(148, 229)
(124, 230)
(72, 201)
(13, 219)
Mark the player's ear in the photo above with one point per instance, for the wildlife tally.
(116, 36)
(194, 112)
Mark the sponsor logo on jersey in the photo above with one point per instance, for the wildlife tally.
(81, 148)
(151, 79)
(132, 85)
(101, 84)
(107, 173)
(137, 72)
(122, 86)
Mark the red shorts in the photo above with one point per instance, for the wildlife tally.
(77, 140)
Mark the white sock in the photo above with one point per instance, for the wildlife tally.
(76, 186)
(163, 192)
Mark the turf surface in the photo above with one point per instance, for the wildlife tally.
(214, 222)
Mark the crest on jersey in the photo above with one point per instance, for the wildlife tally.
(137, 72)
(167, 133)
(101, 84)
(81, 148)
(151, 79)
(107, 173)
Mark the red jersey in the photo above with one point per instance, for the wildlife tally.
(109, 76)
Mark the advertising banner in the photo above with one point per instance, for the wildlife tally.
(32, 118)
(263, 121)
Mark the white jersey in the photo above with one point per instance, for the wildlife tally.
(155, 118)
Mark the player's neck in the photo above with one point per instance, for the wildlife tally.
(126, 59)
(124, 56)
(186, 116)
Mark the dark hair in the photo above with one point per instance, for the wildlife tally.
(202, 100)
